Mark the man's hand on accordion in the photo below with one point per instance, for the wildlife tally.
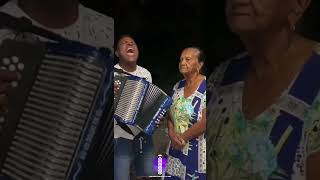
(6, 78)
(160, 121)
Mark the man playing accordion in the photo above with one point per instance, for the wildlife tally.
(131, 144)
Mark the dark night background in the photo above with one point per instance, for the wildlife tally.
(163, 28)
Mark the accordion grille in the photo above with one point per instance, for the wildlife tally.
(153, 94)
(150, 106)
(130, 99)
(54, 115)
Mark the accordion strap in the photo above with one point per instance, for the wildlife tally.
(125, 128)
(121, 71)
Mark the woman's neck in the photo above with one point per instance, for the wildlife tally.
(51, 14)
(269, 49)
(129, 67)
(192, 79)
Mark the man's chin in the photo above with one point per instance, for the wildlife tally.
(130, 60)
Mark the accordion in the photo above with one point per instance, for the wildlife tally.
(138, 102)
(59, 120)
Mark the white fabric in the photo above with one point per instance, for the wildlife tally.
(91, 27)
(140, 72)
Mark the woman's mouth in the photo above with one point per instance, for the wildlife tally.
(241, 8)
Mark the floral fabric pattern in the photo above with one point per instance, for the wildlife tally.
(190, 162)
(276, 144)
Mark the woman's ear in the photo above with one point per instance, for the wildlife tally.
(304, 4)
(298, 9)
(201, 65)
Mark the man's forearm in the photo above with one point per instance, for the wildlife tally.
(197, 129)
(313, 162)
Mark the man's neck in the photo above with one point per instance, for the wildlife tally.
(51, 14)
(129, 67)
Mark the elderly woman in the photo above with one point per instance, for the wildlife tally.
(264, 105)
(187, 120)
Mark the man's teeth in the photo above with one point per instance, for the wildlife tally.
(130, 50)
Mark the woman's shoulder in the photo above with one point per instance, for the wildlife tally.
(316, 48)
(180, 84)
(230, 71)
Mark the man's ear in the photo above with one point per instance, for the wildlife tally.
(117, 54)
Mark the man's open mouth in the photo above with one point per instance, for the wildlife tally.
(130, 51)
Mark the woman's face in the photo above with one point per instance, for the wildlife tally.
(245, 16)
(189, 62)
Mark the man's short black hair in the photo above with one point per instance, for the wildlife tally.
(121, 37)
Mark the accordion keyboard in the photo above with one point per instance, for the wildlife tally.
(130, 100)
(53, 118)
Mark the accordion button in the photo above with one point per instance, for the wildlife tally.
(19, 76)
(15, 59)
(2, 120)
(20, 66)
(12, 67)
(6, 61)
(14, 84)
(4, 68)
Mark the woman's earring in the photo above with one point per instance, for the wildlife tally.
(291, 21)
(294, 28)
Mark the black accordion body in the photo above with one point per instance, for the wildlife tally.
(59, 121)
(138, 102)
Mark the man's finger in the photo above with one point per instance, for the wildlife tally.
(4, 87)
(178, 142)
(8, 75)
(3, 103)
(3, 99)
(181, 140)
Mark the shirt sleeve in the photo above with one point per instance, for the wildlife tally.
(204, 101)
(313, 128)
(97, 29)
(6, 34)
(149, 77)
(175, 87)
(146, 74)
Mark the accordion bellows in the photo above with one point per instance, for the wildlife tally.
(55, 111)
(139, 103)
